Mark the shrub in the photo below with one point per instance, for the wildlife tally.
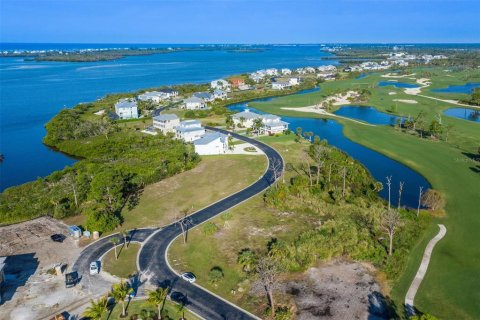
(210, 228)
(215, 274)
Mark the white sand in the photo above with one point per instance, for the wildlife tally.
(99, 113)
(392, 75)
(406, 101)
(392, 93)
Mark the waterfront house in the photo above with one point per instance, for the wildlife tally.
(189, 130)
(257, 78)
(166, 122)
(244, 87)
(271, 72)
(194, 103)
(169, 93)
(219, 94)
(245, 118)
(272, 124)
(286, 71)
(280, 85)
(294, 81)
(154, 96)
(220, 84)
(211, 143)
(126, 109)
(205, 96)
(237, 81)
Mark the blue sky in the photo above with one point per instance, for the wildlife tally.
(239, 21)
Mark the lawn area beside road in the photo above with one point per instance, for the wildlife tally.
(126, 264)
(145, 310)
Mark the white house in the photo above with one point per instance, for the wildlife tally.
(280, 85)
(166, 122)
(245, 118)
(194, 103)
(126, 109)
(220, 84)
(219, 94)
(154, 96)
(286, 71)
(205, 96)
(211, 143)
(189, 130)
(169, 93)
(256, 77)
(294, 81)
(271, 72)
(272, 124)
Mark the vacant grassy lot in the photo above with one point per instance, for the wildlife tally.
(145, 309)
(126, 265)
(214, 178)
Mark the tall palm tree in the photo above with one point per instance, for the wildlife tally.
(120, 292)
(125, 234)
(157, 297)
(96, 309)
(115, 243)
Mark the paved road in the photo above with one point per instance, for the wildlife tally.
(152, 259)
(96, 285)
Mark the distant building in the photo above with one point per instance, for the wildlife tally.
(220, 84)
(219, 94)
(189, 130)
(126, 109)
(256, 77)
(280, 85)
(169, 93)
(154, 96)
(245, 118)
(272, 124)
(286, 71)
(236, 82)
(211, 143)
(166, 122)
(205, 96)
(194, 103)
(294, 81)
(244, 87)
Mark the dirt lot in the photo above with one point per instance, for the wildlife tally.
(30, 291)
(338, 290)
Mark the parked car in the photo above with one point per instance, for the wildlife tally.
(57, 237)
(94, 269)
(179, 297)
(188, 276)
(71, 279)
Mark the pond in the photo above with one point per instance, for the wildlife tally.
(380, 166)
(367, 114)
(397, 84)
(464, 113)
(465, 88)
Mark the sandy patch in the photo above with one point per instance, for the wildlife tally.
(393, 75)
(99, 113)
(423, 82)
(338, 290)
(391, 93)
(406, 101)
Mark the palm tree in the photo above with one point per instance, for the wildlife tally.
(181, 309)
(125, 234)
(96, 309)
(120, 292)
(115, 243)
(247, 259)
(157, 297)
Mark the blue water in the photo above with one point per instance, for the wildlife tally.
(379, 165)
(33, 92)
(367, 114)
(361, 76)
(397, 84)
(464, 113)
(465, 88)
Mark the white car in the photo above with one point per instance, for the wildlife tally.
(188, 276)
(94, 268)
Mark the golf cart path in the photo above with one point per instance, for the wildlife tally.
(422, 270)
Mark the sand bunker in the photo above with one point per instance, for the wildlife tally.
(406, 101)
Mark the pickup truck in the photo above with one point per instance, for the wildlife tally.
(71, 279)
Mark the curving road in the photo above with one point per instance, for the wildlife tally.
(152, 259)
(153, 255)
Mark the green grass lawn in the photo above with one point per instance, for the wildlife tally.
(137, 306)
(126, 265)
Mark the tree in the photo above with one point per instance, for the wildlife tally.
(184, 223)
(419, 199)
(432, 199)
(120, 292)
(108, 188)
(389, 184)
(319, 154)
(268, 272)
(247, 259)
(257, 124)
(299, 132)
(157, 297)
(125, 234)
(115, 243)
(391, 220)
(215, 275)
(96, 309)
(229, 121)
(400, 190)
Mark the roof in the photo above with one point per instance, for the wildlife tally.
(126, 104)
(285, 83)
(247, 114)
(270, 117)
(209, 137)
(218, 91)
(203, 95)
(151, 94)
(193, 100)
(273, 123)
(190, 123)
(190, 129)
(165, 117)
(168, 90)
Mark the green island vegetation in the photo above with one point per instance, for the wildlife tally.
(448, 156)
(325, 206)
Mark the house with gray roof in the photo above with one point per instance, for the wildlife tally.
(245, 118)
(154, 96)
(166, 122)
(194, 103)
(205, 96)
(189, 130)
(211, 143)
(126, 108)
(272, 124)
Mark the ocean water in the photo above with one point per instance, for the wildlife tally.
(33, 92)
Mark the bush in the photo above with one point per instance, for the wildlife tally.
(215, 275)
(102, 221)
(210, 228)
(432, 199)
